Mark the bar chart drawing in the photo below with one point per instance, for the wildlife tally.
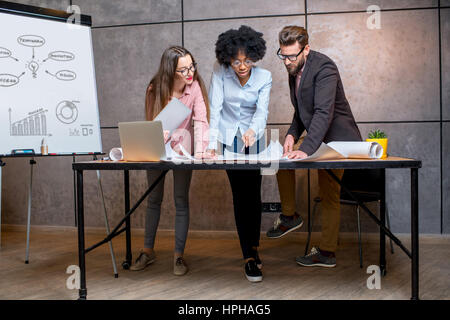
(35, 124)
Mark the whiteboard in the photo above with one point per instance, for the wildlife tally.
(47, 86)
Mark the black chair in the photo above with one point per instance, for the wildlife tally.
(366, 185)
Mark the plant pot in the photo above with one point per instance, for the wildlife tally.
(383, 143)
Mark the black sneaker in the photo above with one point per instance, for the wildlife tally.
(258, 261)
(284, 225)
(252, 272)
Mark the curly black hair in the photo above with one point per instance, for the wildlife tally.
(244, 39)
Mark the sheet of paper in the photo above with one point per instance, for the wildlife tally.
(185, 153)
(173, 115)
(324, 152)
(273, 152)
(173, 156)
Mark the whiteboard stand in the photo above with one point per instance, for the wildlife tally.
(30, 197)
(2, 164)
(75, 192)
(113, 256)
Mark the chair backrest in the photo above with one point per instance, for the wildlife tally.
(366, 184)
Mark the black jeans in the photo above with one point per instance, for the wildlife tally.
(246, 190)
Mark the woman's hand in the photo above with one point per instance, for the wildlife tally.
(249, 138)
(210, 154)
(198, 155)
(166, 136)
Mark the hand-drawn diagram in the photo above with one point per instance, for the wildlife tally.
(35, 124)
(66, 112)
(34, 65)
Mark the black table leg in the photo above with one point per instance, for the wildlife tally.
(75, 192)
(81, 248)
(309, 215)
(383, 222)
(128, 256)
(415, 233)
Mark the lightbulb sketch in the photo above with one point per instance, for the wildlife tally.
(66, 112)
(35, 124)
(34, 67)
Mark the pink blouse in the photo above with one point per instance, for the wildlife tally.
(192, 137)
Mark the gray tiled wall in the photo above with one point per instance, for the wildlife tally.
(445, 56)
(316, 6)
(380, 68)
(199, 9)
(107, 12)
(389, 74)
(446, 177)
(445, 52)
(52, 4)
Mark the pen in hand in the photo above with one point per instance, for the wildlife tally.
(244, 139)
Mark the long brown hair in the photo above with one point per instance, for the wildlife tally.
(160, 87)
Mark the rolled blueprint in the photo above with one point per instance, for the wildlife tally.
(358, 149)
(116, 154)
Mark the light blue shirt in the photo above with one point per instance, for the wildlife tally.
(235, 107)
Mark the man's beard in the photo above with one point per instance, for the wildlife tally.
(296, 70)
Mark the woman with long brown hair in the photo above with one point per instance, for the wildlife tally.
(177, 77)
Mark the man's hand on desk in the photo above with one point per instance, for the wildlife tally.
(295, 155)
(288, 144)
(288, 149)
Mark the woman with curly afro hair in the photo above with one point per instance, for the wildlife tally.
(239, 105)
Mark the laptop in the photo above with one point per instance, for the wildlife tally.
(142, 141)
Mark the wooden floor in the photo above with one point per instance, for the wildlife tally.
(216, 268)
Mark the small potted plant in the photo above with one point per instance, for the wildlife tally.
(381, 138)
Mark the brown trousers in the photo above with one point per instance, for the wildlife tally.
(329, 192)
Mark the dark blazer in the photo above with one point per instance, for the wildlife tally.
(322, 108)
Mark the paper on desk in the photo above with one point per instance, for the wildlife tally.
(273, 152)
(172, 155)
(337, 150)
(358, 149)
(116, 154)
